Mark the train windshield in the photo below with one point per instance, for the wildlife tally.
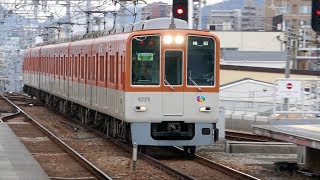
(201, 61)
(145, 60)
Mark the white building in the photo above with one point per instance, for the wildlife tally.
(258, 49)
(247, 97)
(224, 20)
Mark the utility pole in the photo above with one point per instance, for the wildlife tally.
(287, 68)
(88, 7)
(190, 14)
(35, 9)
(288, 52)
(201, 3)
(68, 18)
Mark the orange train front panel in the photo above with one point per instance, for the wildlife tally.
(172, 87)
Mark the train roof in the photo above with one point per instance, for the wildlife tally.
(152, 24)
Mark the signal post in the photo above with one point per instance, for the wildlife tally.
(183, 9)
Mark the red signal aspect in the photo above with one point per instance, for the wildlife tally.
(180, 11)
(318, 12)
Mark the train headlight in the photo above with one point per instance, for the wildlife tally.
(167, 39)
(179, 39)
(140, 108)
(205, 109)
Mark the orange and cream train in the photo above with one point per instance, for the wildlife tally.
(150, 86)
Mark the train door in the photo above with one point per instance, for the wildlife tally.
(117, 83)
(89, 79)
(120, 93)
(107, 66)
(71, 62)
(173, 84)
(39, 70)
(61, 78)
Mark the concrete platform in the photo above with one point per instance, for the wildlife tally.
(260, 147)
(305, 135)
(16, 162)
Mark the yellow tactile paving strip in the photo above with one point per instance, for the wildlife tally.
(307, 127)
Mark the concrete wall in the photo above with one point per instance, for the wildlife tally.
(250, 41)
(269, 64)
(248, 91)
(243, 122)
(227, 76)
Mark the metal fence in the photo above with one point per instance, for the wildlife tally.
(296, 98)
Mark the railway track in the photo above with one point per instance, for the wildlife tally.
(6, 109)
(184, 168)
(197, 168)
(20, 118)
(246, 136)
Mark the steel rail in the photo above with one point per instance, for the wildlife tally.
(220, 167)
(180, 175)
(87, 164)
(247, 136)
(156, 163)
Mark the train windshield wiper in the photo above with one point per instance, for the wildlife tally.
(167, 83)
(195, 84)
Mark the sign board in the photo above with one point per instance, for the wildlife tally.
(289, 89)
(145, 56)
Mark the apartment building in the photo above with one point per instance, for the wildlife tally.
(294, 12)
(224, 20)
(246, 18)
(251, 16)
(296, 15)
(156, 10)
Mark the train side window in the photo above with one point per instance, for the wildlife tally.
(89, 74)
(102, 68)
(111, 69)
(61, 66)
(97, 66)
(75, 67)
(53, 64)
(32, 64)
(42, 63)
(121, 69)
(48, 65)
(71, 65)
(56, 67)
(82, 67)
(106, 67)
(85, 66)
(67, 69)
(93, 63)
(117, 68)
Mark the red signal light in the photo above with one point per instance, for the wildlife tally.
(318, 12)
(180, 11)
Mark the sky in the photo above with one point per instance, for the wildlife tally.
(170, 1)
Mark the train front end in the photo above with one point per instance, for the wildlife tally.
(173, 94)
